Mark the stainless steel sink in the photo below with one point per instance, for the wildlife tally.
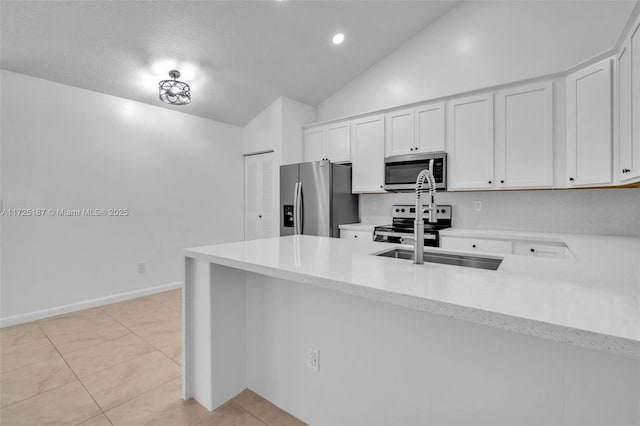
(468, 260)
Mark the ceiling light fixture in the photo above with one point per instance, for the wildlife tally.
(175, 92)
(338, 38)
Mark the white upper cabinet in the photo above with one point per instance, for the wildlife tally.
(524, 137)
(339, 142)
(470, 142)
(629, 108)
(400, 138)
(315, 144)
(367, 154)
(414, 130)
(332, 142)
(430, 127)
(589, 125)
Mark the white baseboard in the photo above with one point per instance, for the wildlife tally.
(91, 303)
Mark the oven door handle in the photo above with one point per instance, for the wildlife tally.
(403, 235)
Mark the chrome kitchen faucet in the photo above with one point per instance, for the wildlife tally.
(425, 175)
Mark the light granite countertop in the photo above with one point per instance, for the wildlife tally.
(592, 301)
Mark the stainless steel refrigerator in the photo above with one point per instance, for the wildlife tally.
(315, 198)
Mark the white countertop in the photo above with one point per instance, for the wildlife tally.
(593, 301)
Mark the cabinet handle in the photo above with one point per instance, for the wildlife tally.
(625, 170)
(380, 186)
(259, 216)
(502, 181)
(489, 182)
(474, 246)
(532, 250)
(571, 179)
(355, 236)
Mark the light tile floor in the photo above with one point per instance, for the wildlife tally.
(117, 365)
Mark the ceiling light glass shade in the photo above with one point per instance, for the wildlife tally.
(175, 92)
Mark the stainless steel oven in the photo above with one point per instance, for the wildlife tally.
(401, 231)
(401, 171)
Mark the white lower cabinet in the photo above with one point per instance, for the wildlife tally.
(367, 154)
(589, 125)
(524, 248)
(356, 235)
(476, 244)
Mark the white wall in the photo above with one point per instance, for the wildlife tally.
(480, 44)
(587, 211)
(278, 128)
(264, 132)
(294, 115)
(180, 176)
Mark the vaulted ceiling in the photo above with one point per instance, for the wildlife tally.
(238, 56)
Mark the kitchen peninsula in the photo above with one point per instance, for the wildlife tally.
(539, 341)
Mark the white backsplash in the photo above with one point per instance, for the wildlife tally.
(587, 211)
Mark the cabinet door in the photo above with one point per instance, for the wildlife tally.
(356, 235)
(635, 101)
(629, 108)
(625, 150)
(260, 191)
(367, 154)
(400, 133)
(470, 142)
(524, 137)
(339, 142)
(476, 244)
(589, 142)
(523, 248)
(430, 127)
(315, 144)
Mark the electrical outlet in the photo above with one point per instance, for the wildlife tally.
(313, 358)
(477, 206)
(142, 267)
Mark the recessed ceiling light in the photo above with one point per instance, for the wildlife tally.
(338, 38)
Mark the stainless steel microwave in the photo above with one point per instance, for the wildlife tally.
(401, 171)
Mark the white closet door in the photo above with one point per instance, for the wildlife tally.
(260, 196)
(267, 198)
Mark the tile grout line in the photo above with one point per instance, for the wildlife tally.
(247, 411)
(138, 396)
(103, 311)
(140, 337)
(76, 376)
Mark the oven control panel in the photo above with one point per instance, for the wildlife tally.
(408, 211)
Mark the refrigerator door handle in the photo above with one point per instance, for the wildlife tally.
(300, 209)
(295, 209)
